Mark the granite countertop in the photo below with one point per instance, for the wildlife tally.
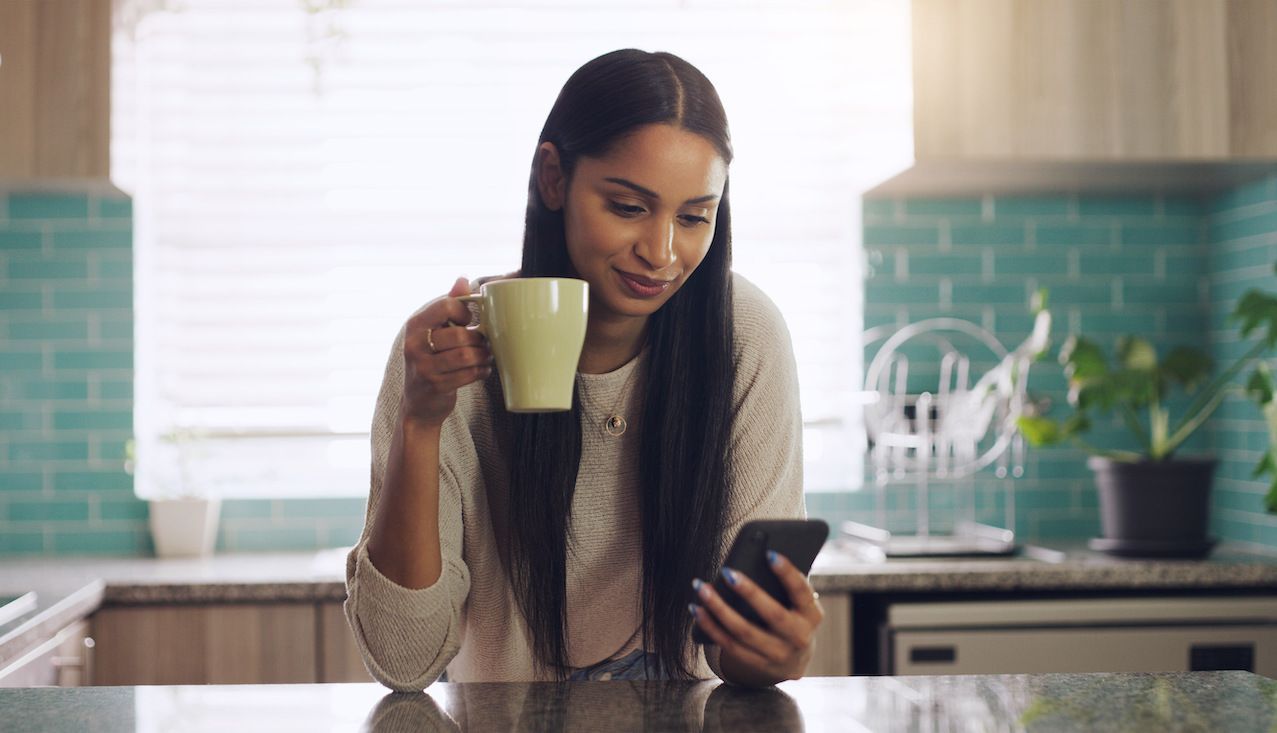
(70, 588)
(1061, 567)
(1237, 702)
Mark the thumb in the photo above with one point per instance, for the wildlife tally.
(459, 288)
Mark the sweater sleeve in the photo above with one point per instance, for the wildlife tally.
(408, 636)
(767, 437)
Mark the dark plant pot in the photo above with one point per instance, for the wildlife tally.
(1154, 508)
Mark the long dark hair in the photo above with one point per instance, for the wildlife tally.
(686, 422)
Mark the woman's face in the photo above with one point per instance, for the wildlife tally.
(640, 220)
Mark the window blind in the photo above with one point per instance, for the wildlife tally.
(306, 173)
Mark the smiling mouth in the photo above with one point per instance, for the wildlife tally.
(643, 287)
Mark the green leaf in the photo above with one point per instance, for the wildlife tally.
(1040, 430)
(1082, 359)
(1187, 366)
(1260, 385)
(1254, 310)
(1265, 465)
(1075, 424)
(1270, 499)
(1136, 354)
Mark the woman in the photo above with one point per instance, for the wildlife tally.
(562, 545)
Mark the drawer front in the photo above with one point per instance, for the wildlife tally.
(1116, 649)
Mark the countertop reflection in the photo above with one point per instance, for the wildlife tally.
(1193, 701)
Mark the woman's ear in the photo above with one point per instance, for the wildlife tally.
(551, 182)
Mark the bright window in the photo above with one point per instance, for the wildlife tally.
(308, 172)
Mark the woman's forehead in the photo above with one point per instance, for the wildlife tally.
(672, 162)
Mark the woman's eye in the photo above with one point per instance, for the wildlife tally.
(626, 209)
(692, 220)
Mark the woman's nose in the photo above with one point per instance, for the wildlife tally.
(657, 246)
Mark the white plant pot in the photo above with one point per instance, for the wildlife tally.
(184, 527)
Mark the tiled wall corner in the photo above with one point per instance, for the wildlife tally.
(1112, 265)
(66, 374)
(1242, 229)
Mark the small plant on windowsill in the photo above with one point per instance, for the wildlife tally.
(183, 520)
(1153, 502)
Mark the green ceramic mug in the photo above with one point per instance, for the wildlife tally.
(536, 328)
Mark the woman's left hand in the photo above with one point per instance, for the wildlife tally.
(751, 654)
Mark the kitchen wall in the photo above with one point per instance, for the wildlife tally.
(1242, 231)
(1171, 269)
(1167, 267)
(1112, 265)
(66, 371)
(66, 390)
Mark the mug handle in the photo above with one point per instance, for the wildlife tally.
(474, 298)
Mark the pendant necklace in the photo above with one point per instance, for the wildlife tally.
(614, 424)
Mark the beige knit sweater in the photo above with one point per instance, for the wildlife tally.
(469, 621)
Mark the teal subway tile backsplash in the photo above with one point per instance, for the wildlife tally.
(918, 208)
(876, 235)
(1142, 235)
(1113, 265)
(1100, 206)
(1166, 268)
(1091, 236)
(102, 239)
(1242, 231)
(1014, 206)
(54, 421)
(28, 206)
(19, 242)
(1001, 236)
(130, 538)
(1107, 264)
(114, 208)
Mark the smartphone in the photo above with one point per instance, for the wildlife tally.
(797, 539)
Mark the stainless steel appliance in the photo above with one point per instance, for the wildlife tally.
(1163, 634)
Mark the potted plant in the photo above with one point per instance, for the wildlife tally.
(1153, 502)
(183, 520)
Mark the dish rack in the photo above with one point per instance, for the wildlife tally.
(944, 395)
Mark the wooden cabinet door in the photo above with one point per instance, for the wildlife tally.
(55, 80)
(339, 658)
(1093, 80)
(205, 644)
(832, 655)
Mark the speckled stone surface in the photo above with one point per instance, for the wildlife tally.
(1070, 567)
(1237, 702)
(72, 588)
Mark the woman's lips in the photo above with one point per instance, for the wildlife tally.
(643, 287)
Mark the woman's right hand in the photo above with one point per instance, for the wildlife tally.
(440, 358)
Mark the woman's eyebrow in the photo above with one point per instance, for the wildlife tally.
(654, 195)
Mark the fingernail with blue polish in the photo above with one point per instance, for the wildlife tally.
(691, 608)
(696, 584)
(772, 557)
(730, 575)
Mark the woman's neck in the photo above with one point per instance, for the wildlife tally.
(611, 343)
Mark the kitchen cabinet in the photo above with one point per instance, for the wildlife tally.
(1019, 96)
(832, 646)
(339, 659)
(55, 79)
(297, 643)
(65, 660)
(225, 643)
(1094, 79)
